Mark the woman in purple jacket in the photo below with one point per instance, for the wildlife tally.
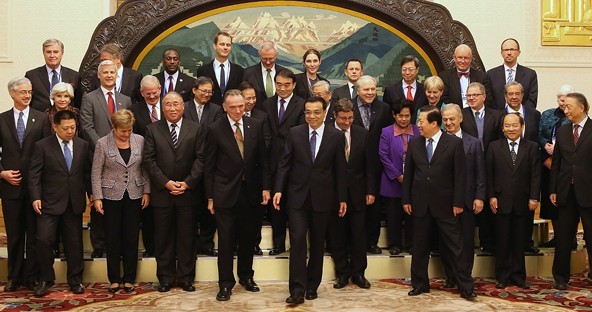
(392, 149)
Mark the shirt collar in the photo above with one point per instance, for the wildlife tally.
(217, 63)
(288, 99)
(513, 68)
(105, 91)
(178, 124)
(436, 137)
(511, 110)
(166, 76)
(346, 130)
(25, 111)
(62, 141)
(232, 122)
(49, 70)
(319, 131)
(400, 131)
(413, 85)
(482, 110)
(458, 133)
(517, 142)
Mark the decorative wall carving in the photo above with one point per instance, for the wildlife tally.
(566, 22)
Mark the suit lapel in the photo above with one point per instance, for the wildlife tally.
(507, 154)
(259, 78)
(11, 125)
(289, 109)
(470, 121)
(59, 154)
(441, 147)
(113, 151)
(182, 134)
(249, 137)
(31, 122)
(229, 137)
(45, 78)
(164, 130)
(424, 151)
(585, 132)
(76, 156)
(136, 151)
(520, 153)
(273, 110)
(103, 104)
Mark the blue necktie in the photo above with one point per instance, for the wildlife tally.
(55, 79)
(67, 155)
(282, 110)
(20, 129)
(313, 144)
(430, 148)
(479, 120)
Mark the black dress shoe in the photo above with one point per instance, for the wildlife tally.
(360, 281)
(128, 289)
(373, 249)
(43, 289)
(394, 251)
(257, 251)
(468, 294)
(224, 294)
(341, 281)
(148, 254)
(311, 295)
(249, 285)
(97, 253)
(560, 286)
(418, 291)
(295, 300)
(532, 250)
(11, 286)
(501, 285)
(209, 251)
(164, 287)
(450, 284)
(523, 285)
(31, 285)
(277, 250)
(187, 286)
(77, 289)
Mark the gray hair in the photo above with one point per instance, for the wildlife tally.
(149, 80)
(52, 41)
(452, 106)
(267, 45)
(513, 83)
(365, 78)
(565, 90)
(106, 63)
(17, 81)
(62, 87)
(232, 92)
(324, 84)
(477, 85)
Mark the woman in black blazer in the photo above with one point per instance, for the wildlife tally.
(304, 81)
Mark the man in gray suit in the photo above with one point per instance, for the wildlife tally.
(95, 121)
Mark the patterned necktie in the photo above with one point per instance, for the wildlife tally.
(346, 145)
(171, 85)
(268, 84)
(67, 155)
(153, 114)
(174, 135)
(513, 152)
(354, 93)
(55, 79)
(430, 148)
(409, 94)
(366, 117)
(20, 129)
(199, 112)
(576, 134)
(313, 145)
(110, 103)
(222, 79)
(510, 75)
(282, 110)
(238, 135)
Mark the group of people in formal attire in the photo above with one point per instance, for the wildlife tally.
(181, 158)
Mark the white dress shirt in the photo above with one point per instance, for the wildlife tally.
(25, 115)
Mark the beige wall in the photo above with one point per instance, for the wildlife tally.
(24, 25)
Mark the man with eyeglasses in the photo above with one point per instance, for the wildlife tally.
(510, 71)
(408, 88)
(172, 78)
(262, 75)
(204, 113)
(457, 79)
(322, 88)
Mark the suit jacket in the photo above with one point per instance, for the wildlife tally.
(262, 116)
(183, 85)
(40, 82)
(330, 117)
(95, 119)
(234, 79)
(112, 176)
(394, 94)
(225, 168)
(571, 163)
(525, 76)
(444, 178)
(293, 116)
(452, 92)
(491, 125)
(340, 93)
(52, 182)
(302, 87)
(164, 162)
(475, 170)
(142, 115)
(532, 120)
(513, 185)
(15, 157)
(254, 76)
(211, 112)
(324, 180)
(391, 152)
(130, 84)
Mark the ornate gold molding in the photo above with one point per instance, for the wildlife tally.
(566, 23)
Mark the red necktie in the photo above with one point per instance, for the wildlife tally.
(409, 94)
(576, 134)
(111, 103)
(460, 74)
(153, 114)
(171, 86)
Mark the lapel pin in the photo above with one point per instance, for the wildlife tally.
(33, 120)
(180, 80)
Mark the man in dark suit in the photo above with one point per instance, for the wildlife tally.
(45, 77)
(59, 178)
(354, 69)
(484, 124)
(95, 121)
(20, 128)
(225, 75)
(322, 88)
(312, 174)
(204, 113)
(513, 189)
(237, 184)
(373, 115)
(435, 165)
(348, 234)
(571, 181)
(173, 158)
(407, 88)
(262, 75)
(514, 94)
(512, 71)
(128, 80)
(147, 111)
(457, 79)
(284, 110)
(172, 78)
(475, 192)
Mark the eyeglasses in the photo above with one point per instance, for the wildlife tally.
(25, 92)
(472, 95)
(513, 93)
(344, 119)
(408, 69)
(171, 105)
(315, 113)
(510, 50)
(251, 98)
(268, 59)
(206, 92)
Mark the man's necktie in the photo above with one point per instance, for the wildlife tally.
(409, 94)
(171, 85)
(153, 114)
(67, 155)
(513, 152)
(313, 144)
(55, 79)
(174, 135)
(268, 84)
(282, 110)
(110, 103)
(347, 147)
(20, 129)
(479, 121)
(430, 148)
(510, 75)
(366, 117)
(222, 79)
(576, 134)
(354, 93)
(238, 135)
(466, 74)
(199, 112)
